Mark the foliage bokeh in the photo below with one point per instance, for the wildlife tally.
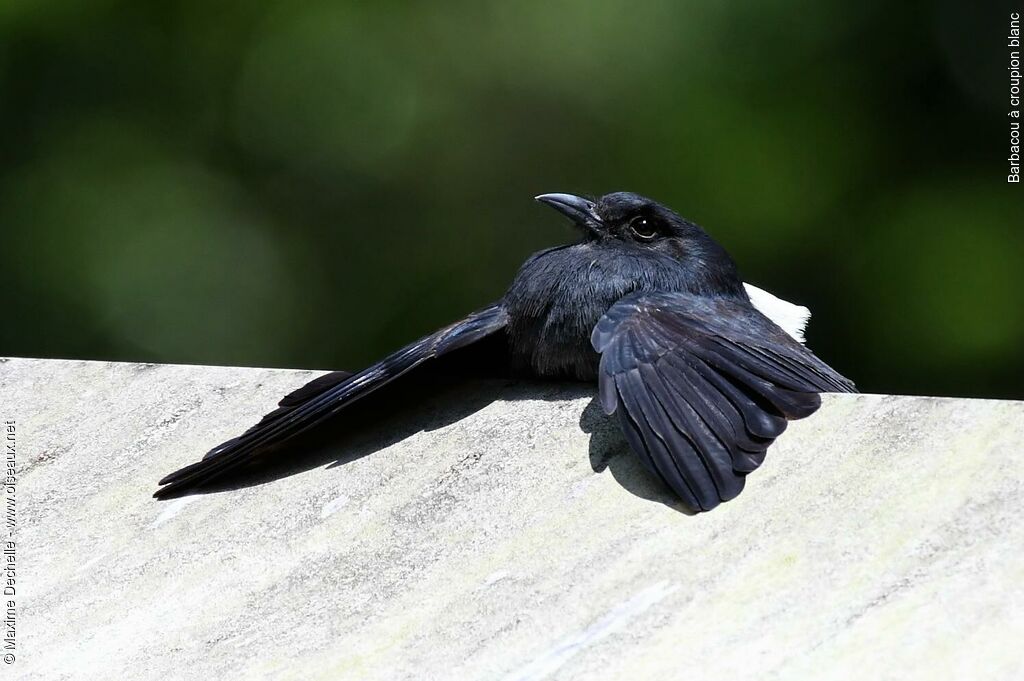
(313, 184)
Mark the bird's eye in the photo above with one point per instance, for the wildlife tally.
(643, 229)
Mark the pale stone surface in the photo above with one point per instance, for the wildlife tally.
(881, 540)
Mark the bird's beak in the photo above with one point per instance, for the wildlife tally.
(576, 208)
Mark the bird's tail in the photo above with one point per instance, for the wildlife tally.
(323, 397)
(296, 408)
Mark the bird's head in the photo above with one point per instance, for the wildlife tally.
(641, 224)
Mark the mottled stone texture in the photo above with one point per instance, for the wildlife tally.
(881, 540)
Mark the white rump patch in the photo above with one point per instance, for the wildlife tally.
(791, 318)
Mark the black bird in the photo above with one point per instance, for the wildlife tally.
(700, 379)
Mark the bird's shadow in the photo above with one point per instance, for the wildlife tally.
(610, 451)
(387, 419)
(372, 424)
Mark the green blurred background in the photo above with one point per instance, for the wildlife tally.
(312, 184)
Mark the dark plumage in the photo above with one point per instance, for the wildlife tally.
(700, 381)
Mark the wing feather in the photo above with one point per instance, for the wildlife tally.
(713, 455)
(694, 485)
(703, 386)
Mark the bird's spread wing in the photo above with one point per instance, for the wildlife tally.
(326, 395)
(702, 386)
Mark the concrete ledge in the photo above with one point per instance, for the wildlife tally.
(881, 540)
